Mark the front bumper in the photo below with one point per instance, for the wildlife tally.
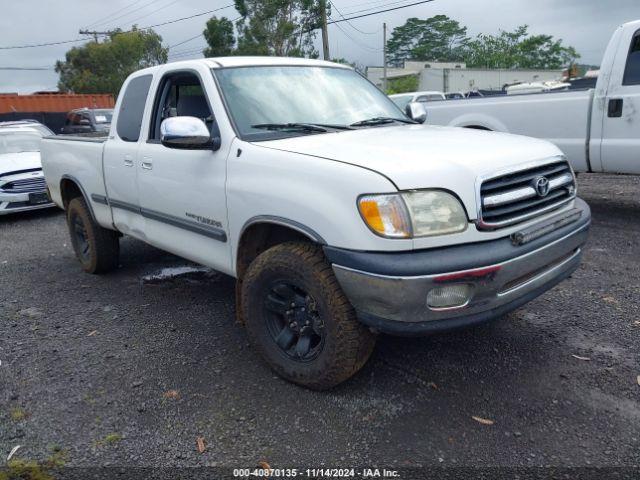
(389, 290)
(23, 201)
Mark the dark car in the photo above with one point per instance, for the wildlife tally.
(89, 121)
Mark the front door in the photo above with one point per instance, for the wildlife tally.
(182, 192)
(621, 125)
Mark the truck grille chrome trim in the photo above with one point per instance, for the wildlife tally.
(519, 195)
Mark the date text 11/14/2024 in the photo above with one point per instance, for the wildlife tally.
(316, 473)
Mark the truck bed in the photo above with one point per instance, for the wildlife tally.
(78, 158)
(560, 117)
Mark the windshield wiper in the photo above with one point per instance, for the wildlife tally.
(300, 127)
(380, 121)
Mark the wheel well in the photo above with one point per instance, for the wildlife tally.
(69, 190)
(478, 127)
(258, 238)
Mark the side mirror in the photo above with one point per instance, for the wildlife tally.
(187, 133)
(416, 112)
(85, 123)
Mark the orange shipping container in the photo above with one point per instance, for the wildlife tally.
(61, 103)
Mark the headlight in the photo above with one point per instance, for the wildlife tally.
(413, 214)
(434, 212)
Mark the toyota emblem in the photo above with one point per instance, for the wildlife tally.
(541, 184)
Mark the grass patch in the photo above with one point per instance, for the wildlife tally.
(17, 414)
(110, 439)
(19, 469)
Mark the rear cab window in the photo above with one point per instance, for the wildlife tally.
(132, 108)
(632, 69)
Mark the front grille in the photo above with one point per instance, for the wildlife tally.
(25, 185)
(516, 197)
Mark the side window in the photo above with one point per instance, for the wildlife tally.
(132, 108)
(75, 119)
(632, 70)
(423, 98)
(180, 95)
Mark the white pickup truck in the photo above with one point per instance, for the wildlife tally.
(338, 215)
(598, 130)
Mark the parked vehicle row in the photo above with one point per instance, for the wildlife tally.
(338, 216)
(597, 129)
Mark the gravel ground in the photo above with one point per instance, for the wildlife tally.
(119, 370)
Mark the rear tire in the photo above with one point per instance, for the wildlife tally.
(299, 319)
(96, 248)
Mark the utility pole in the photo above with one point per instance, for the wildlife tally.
(94, 33)
(384, 57)
(325, 32)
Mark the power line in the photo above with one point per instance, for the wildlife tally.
(106, 17)
(132, 11)
(197, 36)
(185, 41)
(372, 6)
(189, 17)
(62, 42)
(333, 5)
(152, 13)
(380, 11)
(366, 47)
(13, 47)
(27, 69)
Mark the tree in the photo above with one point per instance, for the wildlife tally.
(518, 49)
(438, 38)
(220, 37)
(409, 83)
(278, 27)
(103, 67)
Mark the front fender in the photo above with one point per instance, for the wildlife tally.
(479, 120)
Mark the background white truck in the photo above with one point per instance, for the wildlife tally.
(339, 216)
(598, 130)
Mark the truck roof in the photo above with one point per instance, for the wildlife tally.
(225, 62)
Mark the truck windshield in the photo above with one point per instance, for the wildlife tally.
(19, 142)
(401, 100)
(297, 97)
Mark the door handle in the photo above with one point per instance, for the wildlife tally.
(128, 161)
(615, 107)
(147, 163)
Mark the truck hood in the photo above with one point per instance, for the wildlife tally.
(423, 156)
(12, 162)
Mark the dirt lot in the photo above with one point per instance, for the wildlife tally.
(117, 370)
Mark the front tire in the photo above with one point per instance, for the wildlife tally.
(299, 319)
(96, 248)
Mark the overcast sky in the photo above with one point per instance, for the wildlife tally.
(584, 24)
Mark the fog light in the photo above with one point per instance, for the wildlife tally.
(449, 296)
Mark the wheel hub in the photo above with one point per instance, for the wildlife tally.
(294, 321)
(81, 239)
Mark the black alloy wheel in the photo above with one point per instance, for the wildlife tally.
(293, 321)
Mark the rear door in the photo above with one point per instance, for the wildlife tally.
(182, 192)
(621, 123)
(120, 158)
